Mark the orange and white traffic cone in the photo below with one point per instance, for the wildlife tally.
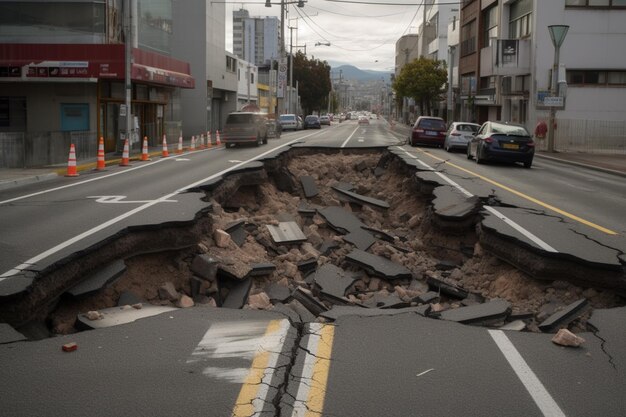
(209, 141)
(218, 142)
(201, 146)
(144, 149)
(71, 163)
(165, 152)
(100, 160)
(192, 147)
(179, 150)
(125, 155)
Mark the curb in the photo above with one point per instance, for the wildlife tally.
(583, 165)
(5, 185)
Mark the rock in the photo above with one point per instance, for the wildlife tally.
(167, 291)
(222, 239)
(566, 338)
(590, 293)
(374, 284)
(94, 315)
(137, 306)
(185, 302)
(259, 301)
(414, 221)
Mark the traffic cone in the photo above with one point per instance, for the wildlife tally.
(180, 144)
(144, 149)
(192, 147)
(201, 146)
(125, 155)
(100, 159)
(218, 142)
(71, 163)
(209, 141)
(165, 153)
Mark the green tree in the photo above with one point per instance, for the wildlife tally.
(313, 77)
(424, 80)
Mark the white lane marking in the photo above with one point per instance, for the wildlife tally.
(33, 261)
(533, 385)
(343, 145)
(107, 199)
(543, 245)
(360, 140)
(74, 184)
(182, 159)
(300, 402)
(234, 161)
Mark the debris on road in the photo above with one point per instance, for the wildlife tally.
(566, 338)
(69, 347)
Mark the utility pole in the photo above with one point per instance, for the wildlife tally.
(128, 52)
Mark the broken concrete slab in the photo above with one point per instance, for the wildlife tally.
(307, 209)
(515, 325)
(379, 234)
(483, 314)
(284, 180)
(360, 239)
(427, 298)
(563, 317)
(308, 186)
(261, 269)
(278, 293)
(341, 220)
(346, 186)
(305, 315)
(361, 199)
(446, 265)
(445, 288)
(451, 204)
(9, 335)
(472, 299)
(289, 312)
(205, 267)
(238, 294)
(286, 232)
(306, 298)
(377, 265)
(237, 232)
(333, 282)
(307, 265)
(327, 247)
(340, 311)
(99, 279)
(115, 316)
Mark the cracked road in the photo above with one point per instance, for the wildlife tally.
(221, 362)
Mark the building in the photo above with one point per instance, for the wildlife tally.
(199, 38)
(247, 79)
(62, 72)
(256, 39)
(507, 57)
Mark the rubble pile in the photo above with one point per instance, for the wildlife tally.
(350, 235)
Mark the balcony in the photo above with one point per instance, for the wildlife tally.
(505, 57)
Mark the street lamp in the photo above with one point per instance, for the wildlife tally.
(557, 34)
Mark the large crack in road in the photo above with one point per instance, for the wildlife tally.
(408, 235)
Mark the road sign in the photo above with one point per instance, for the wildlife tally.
(553, 101)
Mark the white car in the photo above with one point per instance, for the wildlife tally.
(325, 119)
(459, 134)
(289, 122)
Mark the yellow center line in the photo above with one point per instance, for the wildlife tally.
(527, 197)
(250, 388)
(321, 368)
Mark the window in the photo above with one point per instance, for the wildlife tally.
(252, 78)
(520, 19)
(618, 4)
(490, 29)
(596, 77)
(5, 115)
(468, 38)
(74, 116)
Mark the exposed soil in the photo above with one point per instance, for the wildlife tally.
(418, 245)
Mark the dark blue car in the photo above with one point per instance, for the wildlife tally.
(312, 122)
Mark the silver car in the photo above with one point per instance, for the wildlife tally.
(459, 134)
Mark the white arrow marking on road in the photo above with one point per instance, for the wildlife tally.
(118, 199)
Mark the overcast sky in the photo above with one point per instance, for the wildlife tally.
(362, 35)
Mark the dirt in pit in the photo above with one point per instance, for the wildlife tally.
(418, 246)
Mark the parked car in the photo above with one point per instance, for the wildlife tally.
(325, 119)
(245, 127)
(459, 134)
(502, 141)
(274, 129)
(363, 120)
(428, 131)
(312, 122)
(289, 122)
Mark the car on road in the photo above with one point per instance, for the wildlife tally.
(502, 141)
(245, 127)
(459, 134)
(289, 122)
(363, 120)
(325, 119)
(312, 121)
(428, 130)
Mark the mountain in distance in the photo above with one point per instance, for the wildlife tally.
(350, 72)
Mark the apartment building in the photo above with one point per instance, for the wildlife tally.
(506, 60)
(255, 39)
(62, 71)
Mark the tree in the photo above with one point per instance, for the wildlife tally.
(424, 80)
(313, 77)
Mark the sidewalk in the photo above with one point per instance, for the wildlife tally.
(9, 178)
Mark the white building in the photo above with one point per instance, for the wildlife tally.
(255, 39)
(247, 79)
